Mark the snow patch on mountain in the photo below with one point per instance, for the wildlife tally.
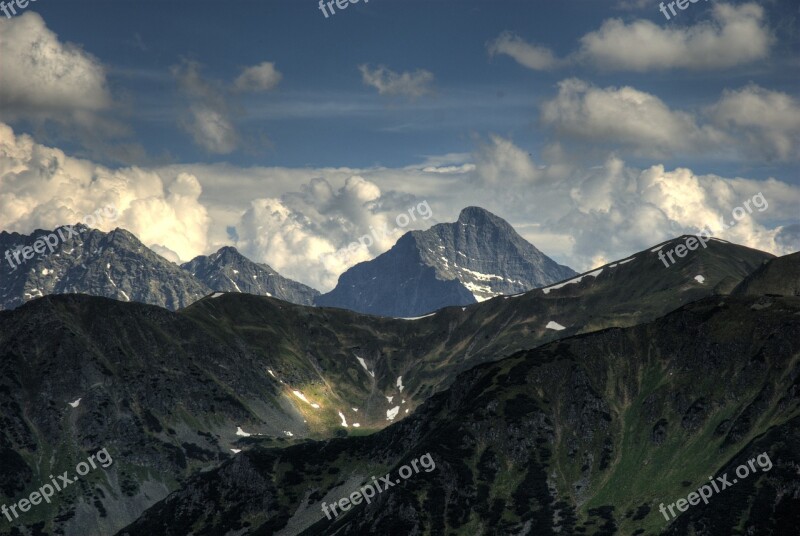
(576, 280)
(364, 364)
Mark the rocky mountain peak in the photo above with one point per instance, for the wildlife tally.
(227, 270)
(481, 217)
(473, 259)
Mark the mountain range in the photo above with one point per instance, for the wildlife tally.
(478, 257)
(117, 265)
(224, 393)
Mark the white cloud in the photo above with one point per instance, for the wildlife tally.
(391, 83)
(463, 168)
(590, 216)
(769, 120)
(58, 89)
(261, 77)
(736, 35)
(42, 188)
(751, 123)
(212, 129)
(531, 56)
(166, 253)
(43, 78)
(501, 162)
(303, 226)
(307, 234)
(624, 116)
(209, 120)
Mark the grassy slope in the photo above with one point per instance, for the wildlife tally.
(522, 441)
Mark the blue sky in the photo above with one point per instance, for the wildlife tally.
(563, 117)
(322, 113)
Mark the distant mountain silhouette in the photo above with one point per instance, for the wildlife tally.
(477, 257)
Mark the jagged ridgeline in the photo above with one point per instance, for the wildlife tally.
(476, 258)
(117, 265)
(171, 394)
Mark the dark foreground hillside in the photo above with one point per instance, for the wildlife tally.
(586, 435)
(174, 394)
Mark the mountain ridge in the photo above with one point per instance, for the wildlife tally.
(114, 264)
(563, 438)
(475, 258)
(227, 270)
(171, 393)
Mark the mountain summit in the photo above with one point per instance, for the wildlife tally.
(227, 270)
(114, 264)
(473, 259)
(118, 266)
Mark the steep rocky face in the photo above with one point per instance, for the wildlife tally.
(589, 435)
(227, 270)
(395, 284)
(488, 257)
(478, 257)
(115, 265)
(777, 276)
(170, 393)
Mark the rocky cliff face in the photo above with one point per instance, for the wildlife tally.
(776, 276)
(115, 265)
(476, 258)
(118, 266)
(227, 270)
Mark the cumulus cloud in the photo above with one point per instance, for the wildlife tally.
(499, 161)
(769, 120)
(306, 232)
(309, 234)
(624, 116)
(736, 35)
(44, 78)
(531, 56)
(580, 216)
(261, 77)
(591, 216)
(59, 89)
(42, 188)
(751, 122)
(393, 84)
(305, 226)
(209, 121)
